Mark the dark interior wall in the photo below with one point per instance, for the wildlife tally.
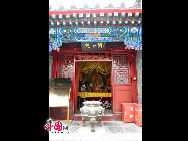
(50, 66)
(139, 75)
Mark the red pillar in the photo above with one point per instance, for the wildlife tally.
(134, 77)
(54, 68)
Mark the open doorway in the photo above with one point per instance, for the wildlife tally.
(94, 84)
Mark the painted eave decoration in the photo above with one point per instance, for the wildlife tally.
(100, 25)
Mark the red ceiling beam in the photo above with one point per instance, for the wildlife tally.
(97, 11)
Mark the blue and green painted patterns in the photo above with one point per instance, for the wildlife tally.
(95, 34)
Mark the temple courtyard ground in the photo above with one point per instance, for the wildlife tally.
(109, 131)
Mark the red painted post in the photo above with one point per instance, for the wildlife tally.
(112, 82)
(129, 65)
(131, 74)
(58, 58)
(54, 68)
(76, 86)
(134, 79)
(74, 83)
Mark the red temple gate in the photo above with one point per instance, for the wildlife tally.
(123, 72)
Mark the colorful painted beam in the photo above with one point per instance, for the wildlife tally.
(98, 25)
(130, 35)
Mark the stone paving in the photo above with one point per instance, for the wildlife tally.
(109, 131)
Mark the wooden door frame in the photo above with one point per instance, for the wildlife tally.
(113, 51)
(76, 80)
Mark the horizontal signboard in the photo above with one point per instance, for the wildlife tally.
(93, 46)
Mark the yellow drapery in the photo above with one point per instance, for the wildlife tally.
(92, 72)
(87, 67)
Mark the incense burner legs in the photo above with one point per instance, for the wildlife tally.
(92, 121)
(99, 123)
(84, 122)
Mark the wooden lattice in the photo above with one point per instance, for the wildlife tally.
(66, 66)
(93, 56)
(121, 69)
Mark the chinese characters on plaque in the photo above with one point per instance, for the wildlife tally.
(93, 46)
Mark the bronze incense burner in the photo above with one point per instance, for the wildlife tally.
(92, 111)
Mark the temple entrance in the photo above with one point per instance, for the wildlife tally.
(93, 83)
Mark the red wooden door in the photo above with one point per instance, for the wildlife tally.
(122, 82)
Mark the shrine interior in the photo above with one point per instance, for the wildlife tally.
(94, 84)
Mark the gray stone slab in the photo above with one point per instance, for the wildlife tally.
(109, 131)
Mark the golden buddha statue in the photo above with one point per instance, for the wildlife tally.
(96, 86)
(97, 80)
